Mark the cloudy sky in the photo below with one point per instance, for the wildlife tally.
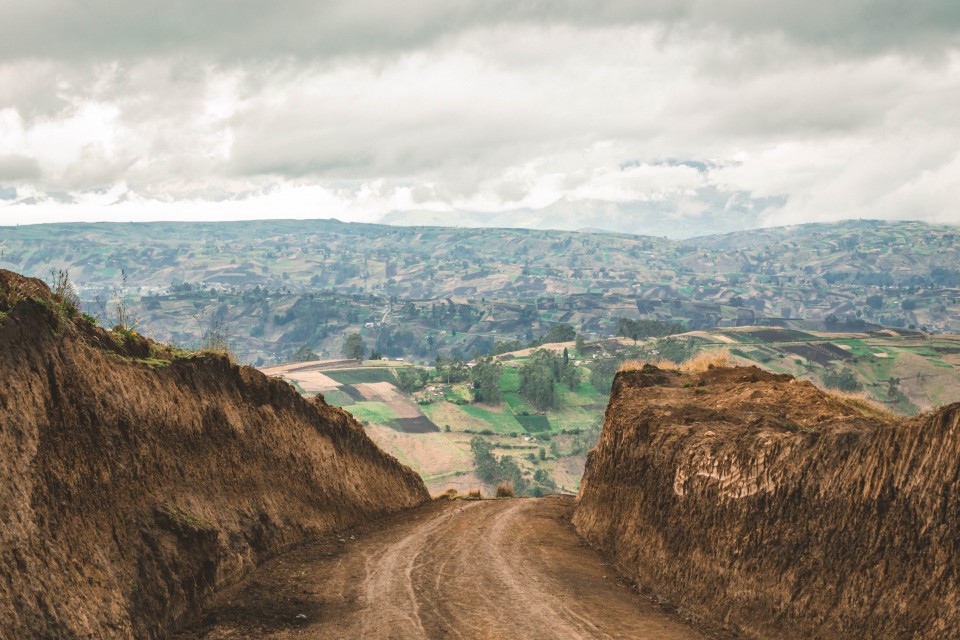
(744, 112)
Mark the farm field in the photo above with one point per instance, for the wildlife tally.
(431, 430)
(904, 371)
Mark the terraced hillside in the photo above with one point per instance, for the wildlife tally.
(419, 292)
(431, 428)
(903, 371)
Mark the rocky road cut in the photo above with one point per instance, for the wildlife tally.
(451, 569)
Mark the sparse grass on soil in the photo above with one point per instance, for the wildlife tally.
(862, 403)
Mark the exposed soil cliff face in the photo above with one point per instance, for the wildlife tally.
(130, 487)
(760, 502)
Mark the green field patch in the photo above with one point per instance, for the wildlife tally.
(574, 417)
(510, 380)
(940, 363)
(584, 394)
(946, 349)
(927, 352)
(361, 376)
(518, 404)
(501, 422)
(337, 398)
(444, 414)
(534, 423)
(375, 412)
(756, 355)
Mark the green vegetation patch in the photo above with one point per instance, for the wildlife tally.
(361, 376)
(457, 394)
(517, 404)
(501, 422)
(927, 352)
(573, 417)
(337, 398)
(585, 394)
(757, 355)
(534, 423)
(375, 412)
(510, 380)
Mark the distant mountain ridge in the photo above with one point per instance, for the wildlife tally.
(653, 218)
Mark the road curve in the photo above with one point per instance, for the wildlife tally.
(461, 569)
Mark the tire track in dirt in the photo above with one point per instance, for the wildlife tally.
(462, 569)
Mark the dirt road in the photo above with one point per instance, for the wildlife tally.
(461, 569)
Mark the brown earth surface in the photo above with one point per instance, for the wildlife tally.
(451, 569)
(135, 481)
(766, 505)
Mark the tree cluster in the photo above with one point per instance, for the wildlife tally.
(485, 377)
(412, 379)
(841, 379)
(538, 378)
(493, 470)
(451, 370)
(640, 329)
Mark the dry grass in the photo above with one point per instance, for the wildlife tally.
(474, 494)
(449, 494)
(862, 403)
(704, 360)
(631, 365)
(699, 363)
(636, 365)
(505, 490)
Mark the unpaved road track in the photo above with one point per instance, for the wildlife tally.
(481, 569)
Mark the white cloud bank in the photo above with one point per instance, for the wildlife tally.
(716, 115)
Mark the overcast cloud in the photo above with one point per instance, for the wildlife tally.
(716, 114)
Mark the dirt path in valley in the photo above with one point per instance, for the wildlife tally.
(480, 569)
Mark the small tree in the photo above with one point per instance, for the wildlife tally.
(353, 346)
(304, 354)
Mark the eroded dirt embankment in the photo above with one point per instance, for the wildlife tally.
(134, 482)
(762, 503)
